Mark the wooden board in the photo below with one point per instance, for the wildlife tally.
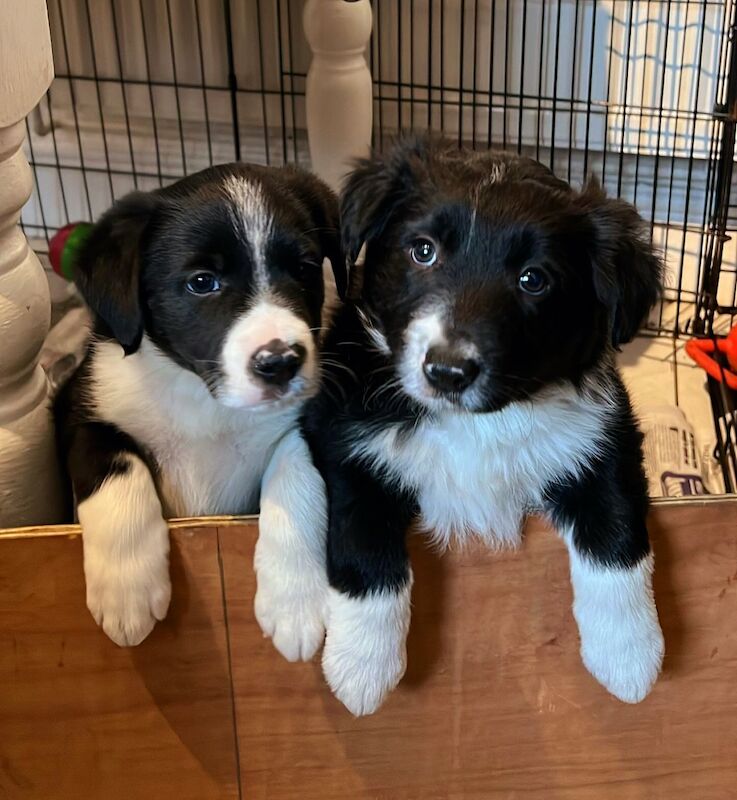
(80, 717)
(496, 703)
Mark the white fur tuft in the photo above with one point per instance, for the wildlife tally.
(378, 340)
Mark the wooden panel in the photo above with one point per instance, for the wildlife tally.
(81, 718)
(496, 703)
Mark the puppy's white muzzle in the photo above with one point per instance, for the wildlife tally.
(268, 356)
(437, 373)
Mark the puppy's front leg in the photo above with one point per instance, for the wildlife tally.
(124, 535)
(290, 557)
(368, 610)
(602, 519)
(621, 641)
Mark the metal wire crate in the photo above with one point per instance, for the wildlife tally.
(641, 94)
(146, 92)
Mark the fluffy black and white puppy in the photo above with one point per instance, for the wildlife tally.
(208, 300)
(473, 381)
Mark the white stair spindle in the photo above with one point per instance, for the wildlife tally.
(339, 93)
(29, 475)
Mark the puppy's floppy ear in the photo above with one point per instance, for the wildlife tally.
(107, 271)
(628, 271)
(322, 203)
(372, 193)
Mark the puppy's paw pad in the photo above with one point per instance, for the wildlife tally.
(127, 602)
(300, 640)
(129, 631)
(627, 667)
(365, 653)
(359, 678)
(293, 619)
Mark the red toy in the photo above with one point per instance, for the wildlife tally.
(64, 246)
(700, 351)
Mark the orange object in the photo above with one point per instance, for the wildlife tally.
(701, 350)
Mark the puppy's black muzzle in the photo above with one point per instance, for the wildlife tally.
(276, 362)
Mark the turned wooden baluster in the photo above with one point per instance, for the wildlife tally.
(338, 92)
(29, 476)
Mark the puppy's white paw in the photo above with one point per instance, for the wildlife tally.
(289, 607)
(621, 640)
(126, 553)
(127, 599)
(628, 664)
(290, 552)
(365, 653)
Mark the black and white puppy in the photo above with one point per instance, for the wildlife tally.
(473, 381)
(208, 300)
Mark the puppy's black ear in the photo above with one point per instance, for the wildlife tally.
(107, 270)
(322, 203)
(372, 193)
(628, 271)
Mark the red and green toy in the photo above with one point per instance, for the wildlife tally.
(64, 246)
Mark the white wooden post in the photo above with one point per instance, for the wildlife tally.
(338, 93)
(29, 476)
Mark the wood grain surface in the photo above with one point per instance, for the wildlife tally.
(80, 717)
(495, 704)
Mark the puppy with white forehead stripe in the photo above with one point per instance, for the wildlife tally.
(209, 300)
(482, 386)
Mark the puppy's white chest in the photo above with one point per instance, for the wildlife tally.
(479, 474)
(210, 458)
(220, 474)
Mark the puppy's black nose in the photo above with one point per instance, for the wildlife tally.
(449, 372)
(277, 362)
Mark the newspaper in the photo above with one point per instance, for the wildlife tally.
(675, 464)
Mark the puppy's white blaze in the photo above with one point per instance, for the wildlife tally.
(365, 653)
(254, 328)
(426, 330)
(621, 640)
(126, 554)
(254, 221)
(290, 551)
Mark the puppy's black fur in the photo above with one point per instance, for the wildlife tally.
(208, 302)
(479, 340)
(605, 277)
(132, 273)
(131, 269)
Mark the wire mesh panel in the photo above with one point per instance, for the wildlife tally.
(641, 94)
(147, 91)
(631, 92)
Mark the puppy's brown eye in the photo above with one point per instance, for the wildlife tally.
(423, 252)
(534, 281)
(203, 283)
